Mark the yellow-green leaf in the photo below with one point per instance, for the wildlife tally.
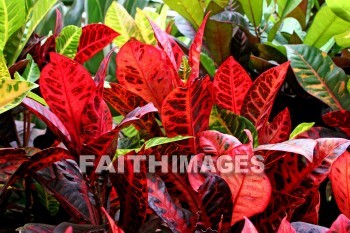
(68, 41)
(12, 17)
(144, 26)
(4, 72)
(253, 9)
(343, 39)
(12, 92)
(301, 128)
(163, 140)
(341, 8)
(325, 25)
(185, 69)
(120, 21)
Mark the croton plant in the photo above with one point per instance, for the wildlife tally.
(164, 104)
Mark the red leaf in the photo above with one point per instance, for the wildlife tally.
(69, 230)
(231, 84)
(93, 39)
(337, 118)
(286, 227)
(248, 227)
(216, 143)
(59, 23)
(144, 70)
(178, 219)
(340, 177)
(258, 102)
(112, 224)
(67, 86)
(340, 225)
(278, 130)
(194, 56)
(132, 191)
(308, 211)
(186, 111)
(303, 147)
(51, 120)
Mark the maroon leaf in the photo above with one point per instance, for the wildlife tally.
(340, 225)
(67, 86)
(111, 222)
(66, 182)
(144, 70)
(278, 130)
(59, 23)
(286, 227)
(41, 53)
(37, 228)
(340, 175)
(93, 39)
(308, 211)
(132, 191)
(51, 120)
(231, 84)
(337, 118)
(186, 111)
(248, 227)
(194, 56)
(177, 219)
(258, 102)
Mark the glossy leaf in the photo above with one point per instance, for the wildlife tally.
(94, 38)
(340, 8)
(190, 10)
(216, 143)
(318, 75)
(119, 20)
(325, 25)
(301, 128)
(286, 227)
(340, 175)
(68, 41)
(32, 72)
(248, 227)
(340, 225)
(343, 39)
(12, 92)
(278, 130)
(12, 16)
(66, 86)
(226, 122)
(143, 69)
(195, 103)
(253, 9)
(337, 118)
(258, 102)
(66, 182)
(194, 54)
(157, 141)
(141, 20)
(231, 84)
(286, 6)
(177, 219)
(4, 72)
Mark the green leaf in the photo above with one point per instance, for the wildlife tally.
(208, 64)
(301, 128)
(341, 8)
(37, 98)
(226, 122)
(343, 39)
(68, 41)
(190, 10)
(286, 6)
(32, 71)
(4, 72)
(157, 141)
(253, 9)
(47, 200)
(131, 5)
(319, 76)
(120, 21)
(325, 25)
(74, 13)
(12, 92)
(12, 17)
(96, 10)
(348, 85)
(185, 69)
(39, 10)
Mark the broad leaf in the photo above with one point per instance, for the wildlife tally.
(318, 75)
(12, 92)
(340, 225)
(190, 10)
(248, 227)
(231, 84)
(343, 39)
(66, 86)
(301, 128)
(4, 72)
(178, 219)
(325, 25)
(340, 175)
(186, 111)
(94, 38)
(66, 182)
(337, 119)
(258, 102)
(226, 122)
(119, 20)
(286, 6)
(32, 72)
(340, 8)
(156, 141)
(278, 130)
(12, 17)
(286, 227)
(307, 227)
(144, 70)
(141, 20)
(68, 41)
(253, 9)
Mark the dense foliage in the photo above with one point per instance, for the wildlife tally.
(232, 80)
